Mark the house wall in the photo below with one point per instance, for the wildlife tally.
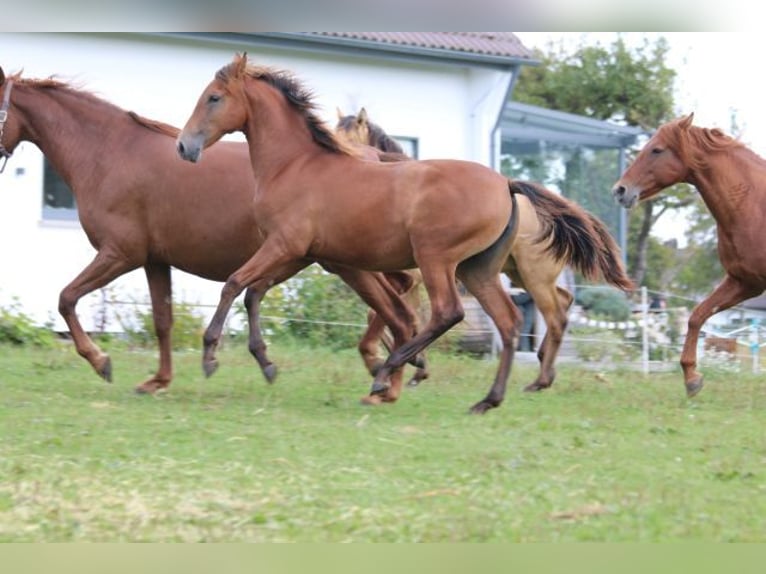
(449, 109)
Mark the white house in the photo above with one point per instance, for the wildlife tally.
(442, 93)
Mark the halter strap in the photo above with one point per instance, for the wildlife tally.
(4, 153)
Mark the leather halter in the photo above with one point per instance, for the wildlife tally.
(4, 153)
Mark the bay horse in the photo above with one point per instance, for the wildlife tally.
(731, 179)
(452, 219)
(537, 257)
(314, 197)
(141, 207)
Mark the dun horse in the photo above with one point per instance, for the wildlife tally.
(142, 207)
(536, 258)
(452, 219)
(732, 182)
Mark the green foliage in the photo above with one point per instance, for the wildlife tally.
(17, 328)
(626, 85)
(702, 268)
(188, 327)
(316, 308)
(596, 345)
(604, 303)
(604, 82)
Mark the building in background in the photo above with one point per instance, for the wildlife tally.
(443, 95)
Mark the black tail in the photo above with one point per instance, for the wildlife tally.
(577, 236)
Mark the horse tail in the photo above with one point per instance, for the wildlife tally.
(576, 236)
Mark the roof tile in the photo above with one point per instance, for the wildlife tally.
(503, 44)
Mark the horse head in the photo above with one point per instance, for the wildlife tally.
(220, 109)
(660, 163)
(6, 149)
(354, 129)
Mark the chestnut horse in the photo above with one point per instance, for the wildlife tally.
(533, 265)
(314, 197)
(141, 207)
(732, 182)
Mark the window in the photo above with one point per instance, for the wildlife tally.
(58, 199)
(409, 145)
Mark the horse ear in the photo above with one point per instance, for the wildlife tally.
(687, 121)
(361, 117)
(240, 60)
(340, 113)
(2, 75)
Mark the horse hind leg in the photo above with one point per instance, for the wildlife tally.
(378, 293)
(446, 311)
(506, 316)
(553, 303)
(160, 292)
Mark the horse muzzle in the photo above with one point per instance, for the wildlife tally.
(627, 197)
(188, 149)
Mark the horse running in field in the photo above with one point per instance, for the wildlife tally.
(142, 207)
(731, 179)
(314, 197)
(546, 222)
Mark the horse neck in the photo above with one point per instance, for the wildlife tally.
(72, 129)
(277, 135)
(729, 183)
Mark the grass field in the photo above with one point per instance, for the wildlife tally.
(603, 456)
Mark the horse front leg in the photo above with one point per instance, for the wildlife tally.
(160, 292)
(728, 293)
(104, 268)
(256, 344)
(269, 266)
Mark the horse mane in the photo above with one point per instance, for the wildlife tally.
(51, 83)
(298, 96)
(381, 140)
(376, 135)
(155, 126)
(694, 144)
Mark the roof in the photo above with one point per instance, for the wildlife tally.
(504, 44)
(526, 122)
(494, 49)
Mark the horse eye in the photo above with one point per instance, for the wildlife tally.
(657, 150)
(213, 98)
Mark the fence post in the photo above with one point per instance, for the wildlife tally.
(644, 331)
(754, 344)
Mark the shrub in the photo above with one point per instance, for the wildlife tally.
(315, 307)
(17, 328)
(188, 326)
(604, 303)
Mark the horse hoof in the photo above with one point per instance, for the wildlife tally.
(150, 387)
(209, 367)
(269, 371)
(693, 387)
(371, 400)
(535, 387)
(378, 388)
(413, 383)
(105, 372)
(481, 407)
(376, 367)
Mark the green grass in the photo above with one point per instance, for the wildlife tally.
(602, 456)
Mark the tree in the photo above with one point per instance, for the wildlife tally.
(632, 86)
